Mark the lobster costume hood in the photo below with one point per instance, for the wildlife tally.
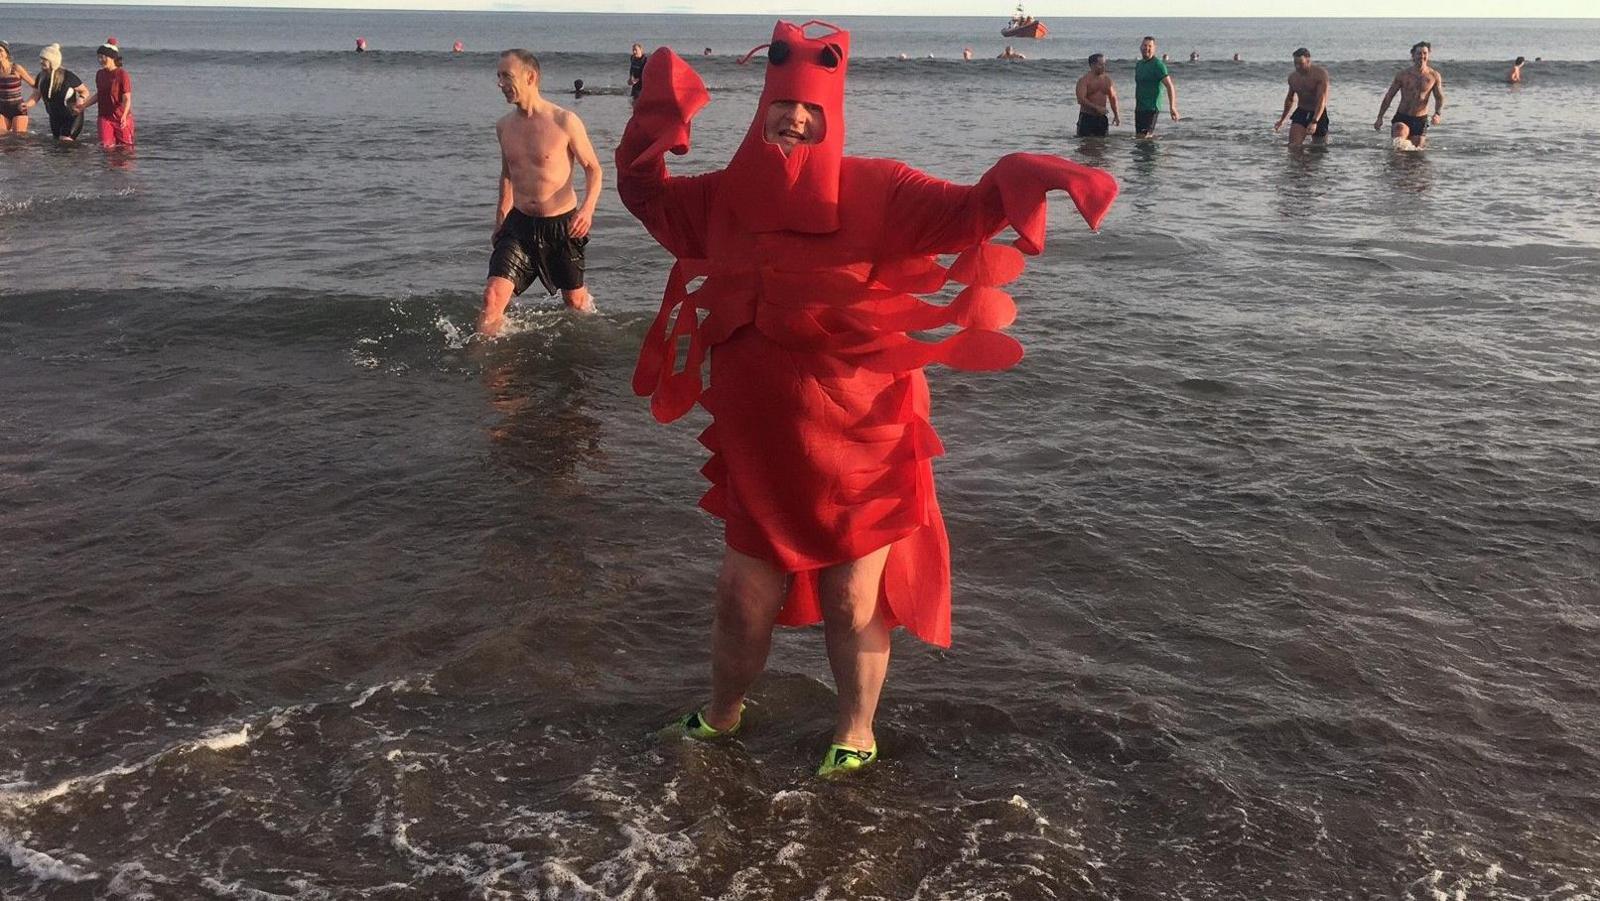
(821, 446)
(800, 191)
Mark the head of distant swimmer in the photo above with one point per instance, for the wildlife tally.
(1421, 51)
(1097, 63)
(1520, 61)
(1302, 60)
(518, 75)
(790, 123)
(1147, 48)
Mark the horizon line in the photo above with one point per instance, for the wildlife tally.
(311, 5)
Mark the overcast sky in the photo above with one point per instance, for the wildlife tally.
(1158, 8)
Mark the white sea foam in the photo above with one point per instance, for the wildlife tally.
(238, 889)
(42, 866)
(22, 796)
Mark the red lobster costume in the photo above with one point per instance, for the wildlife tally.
(821, 450)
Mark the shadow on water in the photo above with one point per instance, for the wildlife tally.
(1092, 151)
(541, 393)
(1409, 171)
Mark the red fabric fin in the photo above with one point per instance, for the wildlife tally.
(912, 275)
(675, 395)
(988, 265)
(975, 350)
(803, 606)
(916, 581)
(982, 307)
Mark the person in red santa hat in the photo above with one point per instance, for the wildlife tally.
(809, 264)
(113, 94)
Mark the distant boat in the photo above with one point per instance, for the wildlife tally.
(1023, 25)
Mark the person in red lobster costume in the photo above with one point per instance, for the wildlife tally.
(805, 265)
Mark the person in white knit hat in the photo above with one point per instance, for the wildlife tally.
(113, 91)
(61, 92)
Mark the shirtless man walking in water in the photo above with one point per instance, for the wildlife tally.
(1414, 84)
(1096, 93)
(539, 227)
(1308, 97)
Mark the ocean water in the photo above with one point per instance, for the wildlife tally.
(1276, 560)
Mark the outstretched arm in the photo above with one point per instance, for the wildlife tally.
(673, 209)
(936, 216)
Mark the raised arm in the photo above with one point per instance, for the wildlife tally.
(582, 153)
(675, 210)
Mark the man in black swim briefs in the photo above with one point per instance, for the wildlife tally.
(1308, 87)
(540, 228)
(1096, 94)
(1415, 84)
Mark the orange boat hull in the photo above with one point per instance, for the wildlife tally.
(1034, 29)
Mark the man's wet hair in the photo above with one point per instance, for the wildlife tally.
(1096, 58)
(1147, 38)
(525, 57)
(1521, 60)
(1421, 45)
(1301, 51)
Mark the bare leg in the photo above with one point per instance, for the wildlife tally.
(1297, 135)
(858, 643)
(1400, 132)
(496, 296)
(578, 299)
(750, 593)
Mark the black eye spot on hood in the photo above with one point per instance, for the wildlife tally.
(830, 56)
(778, 53)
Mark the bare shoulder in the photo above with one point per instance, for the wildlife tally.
(1320, 73)
(568, 121)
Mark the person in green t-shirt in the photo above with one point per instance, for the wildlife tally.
(1150, 75)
